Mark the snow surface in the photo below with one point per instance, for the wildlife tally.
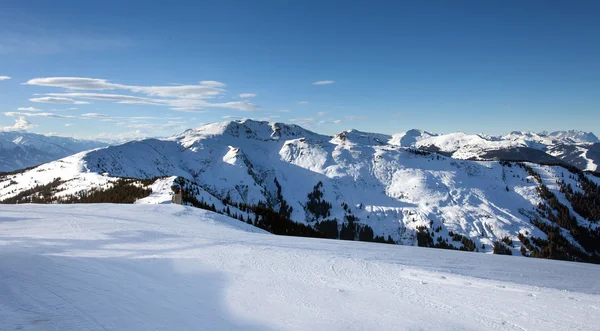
(169, 267)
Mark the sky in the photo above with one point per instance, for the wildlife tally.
(131, 69)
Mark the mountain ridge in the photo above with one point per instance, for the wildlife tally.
(355, 181)
(21, 150)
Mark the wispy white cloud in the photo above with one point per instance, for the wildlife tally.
(21, 124)
(94, 115)
(205, 89)
(302, 102)
(118, 98)
(283, 111)
(321, 113)
(200, 105)
(28, 109)
(21, 114)
(5, 77)
(58, 100)
(68, 124)
(247, 95)
(177, 97)
(329, 121)
(324, 82)
(212, 83)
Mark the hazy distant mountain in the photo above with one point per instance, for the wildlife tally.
(19, 150)
(574, 137)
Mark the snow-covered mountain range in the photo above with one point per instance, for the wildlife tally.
(573, 147)
(355, 179)
(20, 150)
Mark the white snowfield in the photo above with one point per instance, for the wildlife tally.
(169, 267)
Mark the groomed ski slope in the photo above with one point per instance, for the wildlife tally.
(169, 267)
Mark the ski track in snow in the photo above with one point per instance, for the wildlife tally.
(169, 267)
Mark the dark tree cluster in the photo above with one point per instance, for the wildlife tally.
(586, 204)
(466, 243)
(329, 228)
(508, 241)
(350, 228)
(123, 190)
(319, 208)
(526, 245)
(420, 152)
(499, 248)
(425, 238)
(285, 210)
(559, 214)
(37, 194)
(556, 246)
(264, 217)
(270, 220)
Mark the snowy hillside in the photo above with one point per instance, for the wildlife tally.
(20, 150)
(583, 156)
(350, 186)
(158, 267)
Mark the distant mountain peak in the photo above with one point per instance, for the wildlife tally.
(410, 137)
(362, 138)
(245, 129)
(21, 149)
(574, 136)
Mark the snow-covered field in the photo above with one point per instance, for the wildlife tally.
(169, 267)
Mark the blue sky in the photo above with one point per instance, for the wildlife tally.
(442, 66)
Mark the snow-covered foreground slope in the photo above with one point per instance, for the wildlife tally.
(20, 150)
(167, 267)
